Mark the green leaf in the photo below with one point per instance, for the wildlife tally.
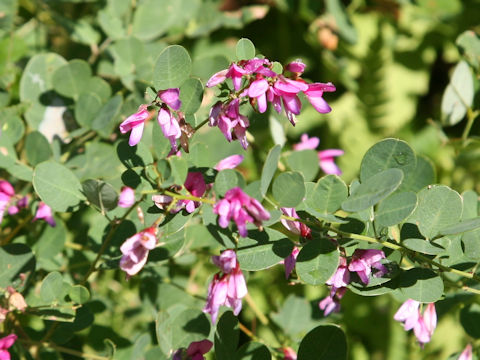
(386, 154)
(15, 259)
(227, 335)
(253, 351)
(179, 168)
(263, 249)
(295, 316)
(288, 189)
(86, 109)
(423, 246)
(172, 68)
(79, 294)
(317, 261)
(57, 186)
(345, 28)
(373, 190)
(191, 95)
(423, 175)
(195, 327)
(111, 24)
(101, 194)
(12, 127)
(37, 148)
(228, 179)
(245, 49)
(161, 145)
(104, 122)
(72, 79)
(438, 207)
(395, 208)
(470, 239)
(52, 288)
(461, 227)
(420, 284)
(37, 76)
(470, 43)
(325, 342)
(305, 162)
(269, 168)
(49, 244)
(327, 195)
(470, 320)
(458, 95)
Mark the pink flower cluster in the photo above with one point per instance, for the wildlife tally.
(169, 105)
(326, 158)
(228, 287)
(5, 343)
(362, 262)
(466, 353)
(7, 200)
(135, 251)
(241, 208)
(423, 325)
(195, 351)
(255, 81)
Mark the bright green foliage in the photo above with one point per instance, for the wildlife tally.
(323, 342)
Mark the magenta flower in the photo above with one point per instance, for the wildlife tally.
(331, 303)
(217, 78)
(364, 260)
(295, 227)
(7, 192)
(341, 277)
(5, 343)
(171, 98)
(307, 143)
(228, 288)
(126, 197)
(170, 127)
(135, 123)
(135, 251)
(258, 90)
(44, 212)
(466, 353)
(290, 261)
(230, 162)
(236, 73)
(314, 94)
(195, 351)
(327, 161)
(297, 67)
(289, 354)
(195, 184)
(241, 208)
(423, 325)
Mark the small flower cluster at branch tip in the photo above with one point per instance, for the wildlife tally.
(7, 200)
(127, 197)
(44, 212)
(326, 158)
(241, 208)
(423, 325)
(5, 343)
(361, 262)
(135, 251)
(254, 81)
(228, 287)
(466, 353)
(195, 351)
(170, 119)
(289, 354)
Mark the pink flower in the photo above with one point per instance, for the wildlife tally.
(466, 353)
(217, 78)
(423, 325)
(295, 227)
(127, 197)
(135, 251)
(332, 302)
(290, 261)
(231, 123)
(5, 343)
(236, 73)
(171, 98)
(341, 277)
(363, 261)
(195, 351)
(241, 208)
(161, 201)
(135, 123)
(307, 143)
(258, 90)
(314, 94)
(170, 127)
(296, 66)
(228, 288)
(195, 184)
(45, 212)
(230, 162)
(327, 161)
(289, 354)
(7, 192)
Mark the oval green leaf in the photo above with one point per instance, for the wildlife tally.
(269, 168)
(327, 195)
(288, 189)
(317, 261)
(395, 208)
(325, 342)
(191, 95)
(245, 49)
(172, 68)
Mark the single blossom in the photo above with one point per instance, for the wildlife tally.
(331, 303)
(135, 123)
(314, 94)
(290, 261)
(241, 208)
(7, 192)
(195, 351)
(258, 91)
(466, 353)
(295, 227)
(170, 127)
(16, 300)
(364, 260)
(307, 143)
(135, 251)
(195, 184)
(44, 212)
(228, 287)
(296, 66)
(5, 343)
(217, 78)
(327, 161)
(171, 98)
(230, 162)
(423, 325)
(289, 354)
(126, 197)
(341, 277)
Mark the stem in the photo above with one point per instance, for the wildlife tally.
(200, 125)
(471, 115)
(259, 314)
(63, 349)
(14, 232)
(189, 197)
